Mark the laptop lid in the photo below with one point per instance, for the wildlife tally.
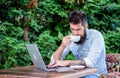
(38, 61)
(36, 56)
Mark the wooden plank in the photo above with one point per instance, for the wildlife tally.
(30, 71)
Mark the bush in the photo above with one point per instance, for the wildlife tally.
(112, 41)
(45, 23)
(47, 45)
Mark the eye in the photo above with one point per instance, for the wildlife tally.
(71, 29)
(78, 29)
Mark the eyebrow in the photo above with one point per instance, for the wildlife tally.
(76, 29)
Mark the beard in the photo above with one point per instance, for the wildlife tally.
(82, 40)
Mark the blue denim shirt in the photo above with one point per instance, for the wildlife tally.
(92, 51)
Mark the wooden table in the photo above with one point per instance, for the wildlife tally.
(32, 72)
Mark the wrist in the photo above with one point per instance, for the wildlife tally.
(68, 62)
(71, 63)
(74, 62)
(62, 45)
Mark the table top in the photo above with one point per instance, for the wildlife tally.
(32, 72)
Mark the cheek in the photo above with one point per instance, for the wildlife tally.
(74, 32)
(81, 33)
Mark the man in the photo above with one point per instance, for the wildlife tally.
(88, 51)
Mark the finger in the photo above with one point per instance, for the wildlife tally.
(55, 65)
(67, 37)
(51, 64)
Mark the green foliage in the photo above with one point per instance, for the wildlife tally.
(47, 24)
(102, 14)
(12, 53)
(8, 29)
(70, 56)
(47, 45)
(12, 49)
(111, 7)
(50, 6)
(112, 41)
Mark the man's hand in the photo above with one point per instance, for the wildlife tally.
(51, 64)
(59, 63)
(65, 41)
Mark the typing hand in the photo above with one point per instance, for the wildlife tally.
(58, 63)
(51, 64)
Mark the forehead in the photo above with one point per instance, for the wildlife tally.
(76, 26)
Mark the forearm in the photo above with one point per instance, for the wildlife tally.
(58, 53)
(77, 62)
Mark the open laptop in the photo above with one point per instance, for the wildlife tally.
(38, 61)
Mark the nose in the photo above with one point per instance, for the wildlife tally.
(75, 32)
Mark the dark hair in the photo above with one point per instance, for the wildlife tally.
(76, 17)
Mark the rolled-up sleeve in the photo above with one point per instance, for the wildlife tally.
(95, 50)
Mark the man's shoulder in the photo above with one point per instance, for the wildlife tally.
(94, 31)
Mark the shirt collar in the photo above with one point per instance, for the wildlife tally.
(87, 34)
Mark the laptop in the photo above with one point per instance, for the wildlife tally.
(38, 60)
